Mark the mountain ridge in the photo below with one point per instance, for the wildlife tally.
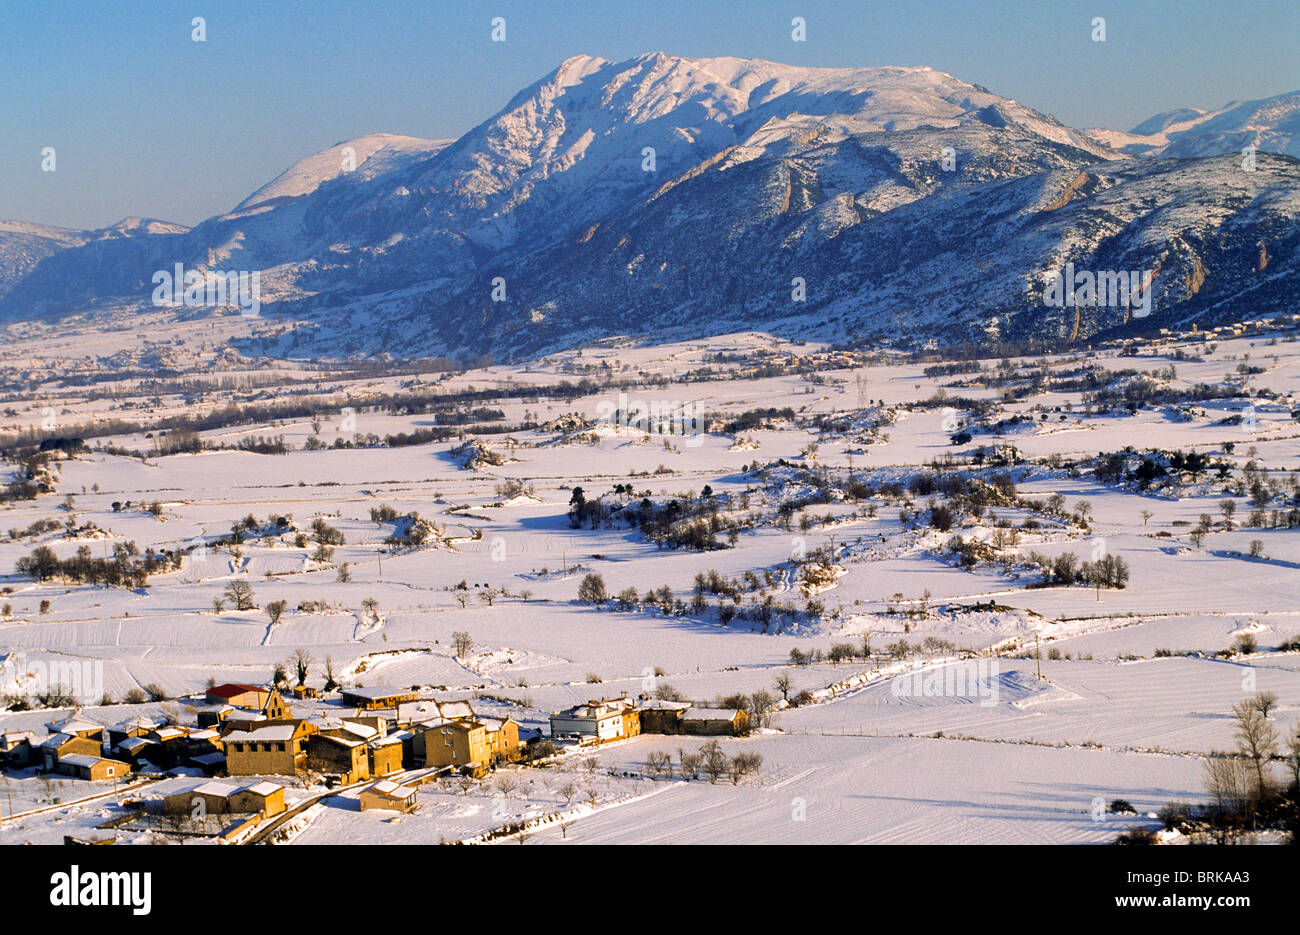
(767, 164)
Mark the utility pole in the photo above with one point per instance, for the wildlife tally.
(1039, 656)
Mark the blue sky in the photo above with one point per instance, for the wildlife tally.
(145, 121)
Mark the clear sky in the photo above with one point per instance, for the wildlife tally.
(145, 121)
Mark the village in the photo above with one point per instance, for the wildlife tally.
(245, 744)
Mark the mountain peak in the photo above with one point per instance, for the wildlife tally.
(368, 156)
(664, 191)
(1270, 124)
(133, 226)
(576, 67)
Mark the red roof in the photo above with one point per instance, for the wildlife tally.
(232, 689)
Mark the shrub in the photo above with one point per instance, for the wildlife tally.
(592, 590)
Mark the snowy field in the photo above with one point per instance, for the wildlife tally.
(1138, 683)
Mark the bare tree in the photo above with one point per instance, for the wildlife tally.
(240, 593)
(688, 764)
(302, 665)
(760, 704)
(783, 684)
(1256, 739)
(331, 682)
(713, 760)
(1228, 780)
(657, 761)
(462, 642)
(275, 610)
(1265, 702)
(744, 764)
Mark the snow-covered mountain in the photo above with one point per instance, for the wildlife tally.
(1270, 125)
(24, 245)
(367, 156)
(666, 193)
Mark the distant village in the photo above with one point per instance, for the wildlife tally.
(357, 737)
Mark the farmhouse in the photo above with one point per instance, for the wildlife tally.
(715, 721)
(265, 797)
(631, 721)
(428, 710)
(218, 798)
(662, 717)
(339, 756)
(211, 715)
(388, 795)
(502, 738)
(171, 746)
(138, 750)
(17, 750)
(213, 798)
(139, 726)
(201, 743)
(267, 748)
(77, 728)
(461, 744)
(85, 766)
(380, 696)
(60, 746)
(599, 721)
(238, 717)
(252, 697)
(386, 755)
